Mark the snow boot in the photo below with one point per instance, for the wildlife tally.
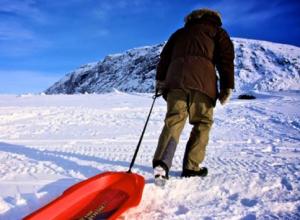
(160, 176)
(190, 173)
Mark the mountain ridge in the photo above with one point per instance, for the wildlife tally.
(259, 66)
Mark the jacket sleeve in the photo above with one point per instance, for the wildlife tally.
(165, 60)
(224, 59)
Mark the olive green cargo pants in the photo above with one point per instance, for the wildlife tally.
(183, 104)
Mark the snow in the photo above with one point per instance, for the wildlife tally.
(48, 143)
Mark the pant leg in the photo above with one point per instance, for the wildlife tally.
(201, 117)
(174, 123)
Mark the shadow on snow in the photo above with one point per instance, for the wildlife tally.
(50, 191)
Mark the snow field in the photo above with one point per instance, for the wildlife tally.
(48, 143)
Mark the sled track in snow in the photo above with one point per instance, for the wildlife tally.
(232, 176)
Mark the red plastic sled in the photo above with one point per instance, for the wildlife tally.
(104, 196)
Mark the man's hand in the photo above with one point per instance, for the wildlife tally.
(160, 87)
(225, 96)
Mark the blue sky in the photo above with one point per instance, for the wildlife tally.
(42, 40)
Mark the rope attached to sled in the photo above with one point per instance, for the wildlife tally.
(142, 135)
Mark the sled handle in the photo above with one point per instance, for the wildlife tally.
(142, 135)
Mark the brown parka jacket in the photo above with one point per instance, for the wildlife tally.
(190, 56)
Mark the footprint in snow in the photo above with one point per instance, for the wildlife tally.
(249, 217)
(249, 202)
(207, 218)
(234, 197)
(182, 210)
(286, 184)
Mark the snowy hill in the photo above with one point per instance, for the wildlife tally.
(259, 66)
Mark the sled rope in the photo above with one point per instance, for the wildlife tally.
(142, 135)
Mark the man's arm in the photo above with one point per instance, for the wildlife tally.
(165, 60)
(224, 59)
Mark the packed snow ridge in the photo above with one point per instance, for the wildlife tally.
(259, 66)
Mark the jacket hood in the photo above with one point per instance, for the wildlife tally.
(201, 13)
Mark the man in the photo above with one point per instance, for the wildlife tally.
(187, 78)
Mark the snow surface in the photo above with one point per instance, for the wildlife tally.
(48, 143)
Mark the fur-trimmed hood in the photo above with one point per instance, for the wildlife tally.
(200, 13)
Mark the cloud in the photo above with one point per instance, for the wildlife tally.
(16, 40)
(17, 6)
(17, 28)
(247, 13)
(106, 9)
(13, 31)
(25, 81)
(23, 8)
(22, 49)
(102, 33)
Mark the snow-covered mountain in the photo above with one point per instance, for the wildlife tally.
(259, 65)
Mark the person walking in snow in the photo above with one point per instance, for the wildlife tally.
(187, 78)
